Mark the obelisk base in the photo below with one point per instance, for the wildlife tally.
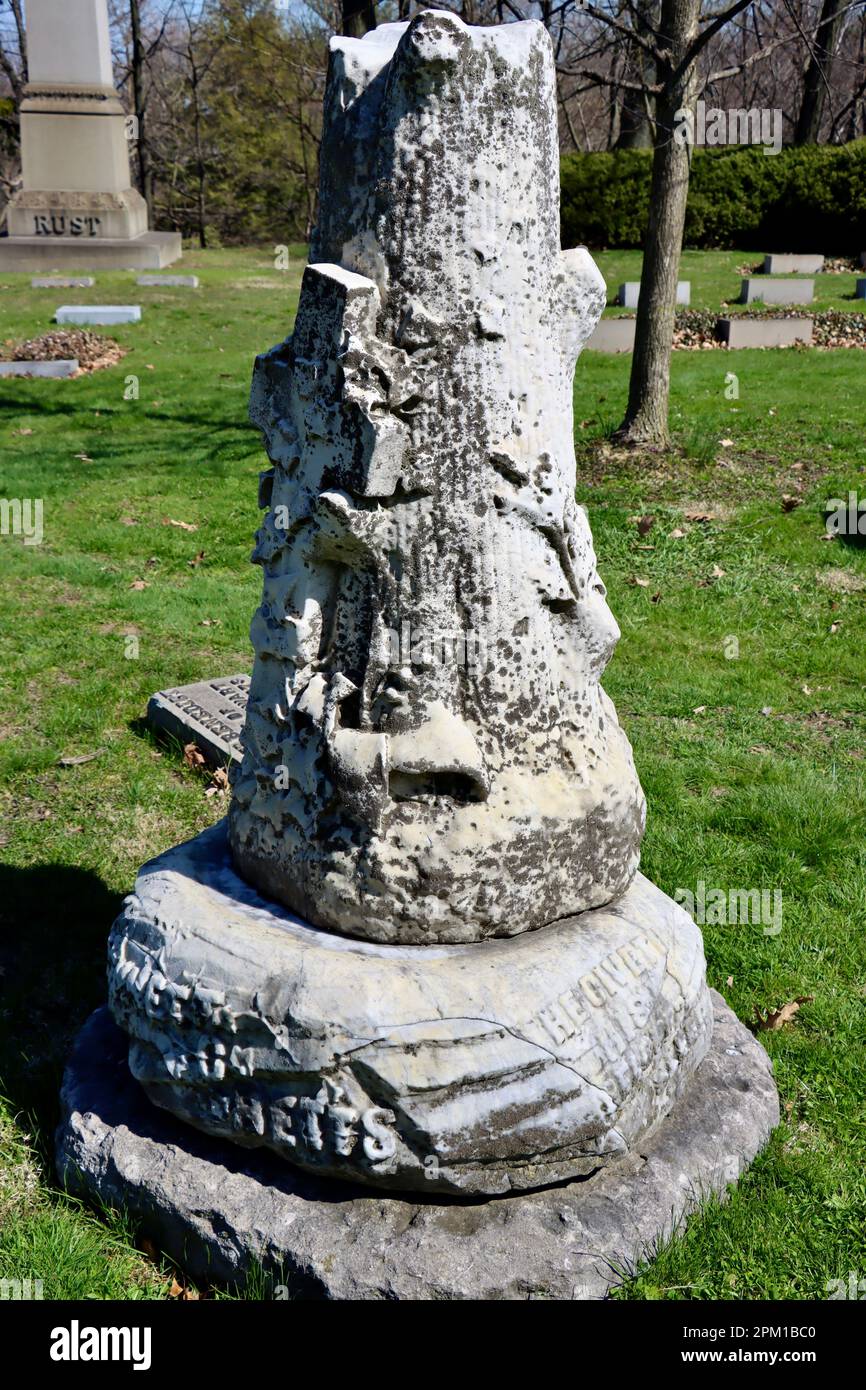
(151, 251)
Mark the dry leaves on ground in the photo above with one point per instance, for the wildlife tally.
(92, 351)
(194, 757)
(775, 1019)
(81, 759)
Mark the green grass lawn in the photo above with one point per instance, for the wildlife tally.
(751, 750)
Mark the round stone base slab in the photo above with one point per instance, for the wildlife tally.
(217, 1210)
(479, 1069)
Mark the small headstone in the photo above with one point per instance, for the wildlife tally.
(612, 335)
(98, 313)
(861, 290)
(62, 282)
(777, 291)
(629, 293)
(187, 282)
(793, 265)
(763, 333)
(208, 713)
(67, 366)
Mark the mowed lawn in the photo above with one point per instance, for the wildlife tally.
(739, 678)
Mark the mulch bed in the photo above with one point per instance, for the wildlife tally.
(94, 353)
(832, 328)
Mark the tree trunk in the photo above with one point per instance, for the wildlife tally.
(817, 79)
(145, 177)
(358, 17)
(635, 127)
(646, 418)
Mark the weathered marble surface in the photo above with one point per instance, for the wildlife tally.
(217, 1210)
(483, 1068)
(429, 756)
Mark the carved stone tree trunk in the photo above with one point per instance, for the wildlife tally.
(428, 753)
(429, 760)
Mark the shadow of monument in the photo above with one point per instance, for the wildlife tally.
(54, 923)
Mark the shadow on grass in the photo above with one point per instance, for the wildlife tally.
(54, 924)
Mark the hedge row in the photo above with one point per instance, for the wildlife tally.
(811, 198)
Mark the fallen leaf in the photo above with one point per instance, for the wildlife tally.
(729, 980)
(718, 572)
(128, 521)
(789, 502)
(193, 756)
(777, 1018)
(22, 431)
(184, 525)
(657, 597)
(85, 458)
(767, 711)
(220, 779)
(834, 627)
(645, 525)
(677, 533)
(641, 583)
(139, 584)
(699, 709)
(700, 516)
(727, 443)
(82, 758)
(197, 559)
(806, 689)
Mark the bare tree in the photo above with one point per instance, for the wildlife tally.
(818, 72)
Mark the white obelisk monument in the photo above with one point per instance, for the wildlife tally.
(77, 207)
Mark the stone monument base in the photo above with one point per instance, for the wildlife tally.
(216, 1209)
(480, 1069)
(151, 251)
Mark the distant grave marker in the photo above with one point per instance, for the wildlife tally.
(207, 713)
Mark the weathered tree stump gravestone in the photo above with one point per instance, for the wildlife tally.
(419, 957)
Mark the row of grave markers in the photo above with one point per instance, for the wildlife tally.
(88, 314)
(617, 335)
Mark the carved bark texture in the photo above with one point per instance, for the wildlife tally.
(429, 756)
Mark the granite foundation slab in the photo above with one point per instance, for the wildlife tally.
(612, 335)
(207, 713)
(151, 251)
(217, 1210)
(767, 291)
(98, 313)
(741, 332)
(62, 282)
(187, 282)
(628, 293)
(786, 264)
(54, 370)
